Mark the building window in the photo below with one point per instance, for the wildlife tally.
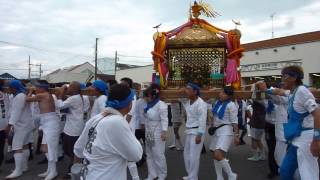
(275, 50)
(257, 53)
(293, 48)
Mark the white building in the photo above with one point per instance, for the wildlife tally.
(265, 59)
(139, 75)
(81, 73)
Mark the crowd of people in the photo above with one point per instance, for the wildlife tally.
(114, 128)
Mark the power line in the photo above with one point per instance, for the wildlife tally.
(41, 49)
(122, 55)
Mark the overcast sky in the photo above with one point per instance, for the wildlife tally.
(61, 33)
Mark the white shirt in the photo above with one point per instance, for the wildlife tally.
(230, 117)
(196, 116)
(304, 101)
(98, 105)
(74, 118)
(112, 148)
(157, 118)
(5, 111)
(132, 113)
(281, 112)
(20, 114)
(139, 112)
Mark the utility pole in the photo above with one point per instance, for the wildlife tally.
(29, 69)
(96, 60)
(272, 17)
(115, 63)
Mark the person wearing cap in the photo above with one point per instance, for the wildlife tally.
(100, 90)
(86, 102)
(156, 124)
(302, 131)
(50, 125)
(107, 143)
(196, 111)
(21, 125)
(73, 107)
(226, 124)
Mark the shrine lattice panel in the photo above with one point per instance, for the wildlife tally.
(212, 59)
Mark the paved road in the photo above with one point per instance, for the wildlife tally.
(246, 170)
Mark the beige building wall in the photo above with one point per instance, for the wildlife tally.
(139, 75)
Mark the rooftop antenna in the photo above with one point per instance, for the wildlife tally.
(272, 18)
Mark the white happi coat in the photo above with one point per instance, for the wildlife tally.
(98, 105)
(21, 119)
(132, 113)
(111, 149)
(139, 113)
(156, 123)
(304, 101)
(196, 123)
(223, 136)
(74, 119)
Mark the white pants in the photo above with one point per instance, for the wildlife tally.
(50, 124)
(156, 160)
(281, 146)
(307, 164)
(191, 154)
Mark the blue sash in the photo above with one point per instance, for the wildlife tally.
(151, 104)
(293, 128)
(216, 110)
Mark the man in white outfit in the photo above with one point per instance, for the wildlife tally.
(196, 111)
(107, 143)
(302, 131)
(50, 125)
(21, 124)
(100, 90)
(74, 125)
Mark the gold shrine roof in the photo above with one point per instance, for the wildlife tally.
(196, 35)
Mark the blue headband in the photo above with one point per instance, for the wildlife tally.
(18, 86)
(83, 86)
(120, 104)
(43, 86)
(194, 87)
(100, 86)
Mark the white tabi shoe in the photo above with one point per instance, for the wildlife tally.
(233, 177)
(185, 178)
(51, 175)
(44, 174)
(14, 174)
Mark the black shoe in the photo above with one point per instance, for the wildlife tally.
(9, 161)
(242, 142)
(44, 161)
(272, 175)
